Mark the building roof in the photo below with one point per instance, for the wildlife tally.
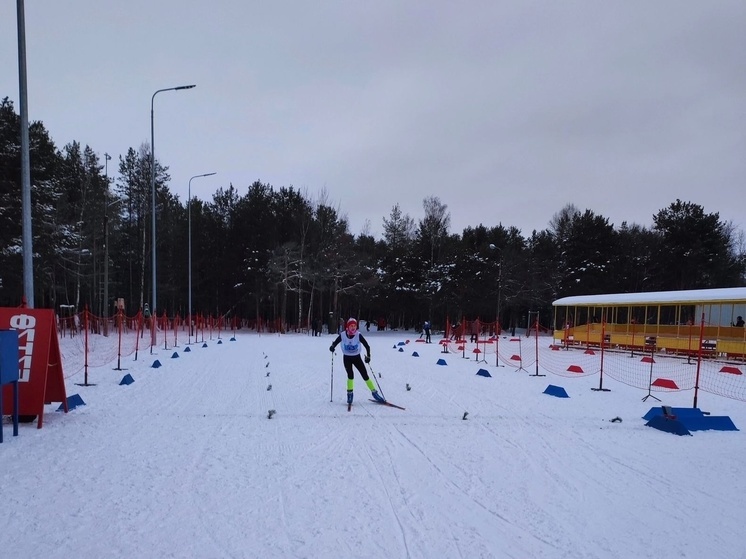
(729, 295)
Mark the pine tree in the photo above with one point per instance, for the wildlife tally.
(11, 266)
(696, 249)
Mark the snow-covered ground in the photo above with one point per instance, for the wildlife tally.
(185, 462)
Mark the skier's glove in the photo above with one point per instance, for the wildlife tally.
(367, 358)
(331, 348)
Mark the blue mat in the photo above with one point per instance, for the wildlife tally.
(662, 423)
(678, 412)
(691, 419)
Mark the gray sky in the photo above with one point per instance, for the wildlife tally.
(506, 111)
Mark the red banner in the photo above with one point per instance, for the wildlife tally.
(40, 380)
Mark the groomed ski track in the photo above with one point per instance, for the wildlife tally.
(209, 475)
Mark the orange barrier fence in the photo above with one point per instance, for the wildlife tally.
(647, 366)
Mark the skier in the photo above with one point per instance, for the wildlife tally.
(426, 328)
(351, 340)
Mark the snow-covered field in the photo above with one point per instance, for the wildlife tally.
(185, 462)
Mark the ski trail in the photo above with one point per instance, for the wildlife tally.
(447, 481)
(197, 505)
(396, 474)
(392, 508)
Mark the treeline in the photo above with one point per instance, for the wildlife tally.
(280, 254)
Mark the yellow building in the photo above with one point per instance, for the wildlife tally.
(671, 321)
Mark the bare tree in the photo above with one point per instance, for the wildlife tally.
(435, 225)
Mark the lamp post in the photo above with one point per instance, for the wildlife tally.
(107, 157)
(26, 230)
(189, 242)
(152, 186)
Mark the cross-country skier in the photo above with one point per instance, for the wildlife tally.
(426, 329)
(351, 339)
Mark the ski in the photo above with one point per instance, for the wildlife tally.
(387, 404)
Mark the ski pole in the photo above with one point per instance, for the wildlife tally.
(376, 381)
(331, 384)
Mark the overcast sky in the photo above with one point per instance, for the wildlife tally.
(616, 106)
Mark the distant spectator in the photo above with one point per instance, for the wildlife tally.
(148, 317)
(739, 322)
(458, 330)
(475, 328)
(426, 328)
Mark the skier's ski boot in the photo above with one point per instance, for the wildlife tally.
(349, 396)
(377, 397)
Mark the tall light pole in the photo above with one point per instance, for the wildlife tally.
(154, 308)
(26, 236)
(107, 157)
(189, 242)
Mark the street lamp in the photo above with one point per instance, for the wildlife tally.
(189, 218)
(26, 230)
(152, 185)
(107, 157)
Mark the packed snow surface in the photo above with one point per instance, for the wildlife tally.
(186, 462)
